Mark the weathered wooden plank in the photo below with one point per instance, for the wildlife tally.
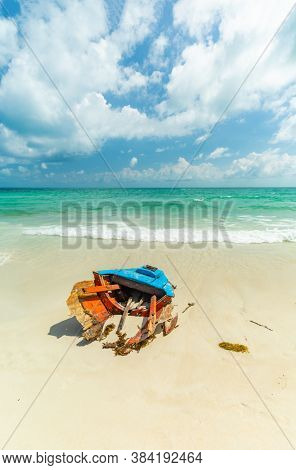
(152, 315)
(124, 315)
(98, 289)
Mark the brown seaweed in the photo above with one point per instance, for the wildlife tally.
(234, 347)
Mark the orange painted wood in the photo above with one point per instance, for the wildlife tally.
(96, 309)
(135, 339)
(110, 303)
(98, 289)
(152, 309)
(163, 302)
(117, 309)
(144, 312)
(152, 315)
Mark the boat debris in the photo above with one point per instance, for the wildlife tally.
(190, 304)
(144, 292)
(259, 324)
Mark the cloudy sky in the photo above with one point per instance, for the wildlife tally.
(101, 93)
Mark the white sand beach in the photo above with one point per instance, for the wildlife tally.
(182, 391)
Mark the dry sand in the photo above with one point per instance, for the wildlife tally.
(181, 392)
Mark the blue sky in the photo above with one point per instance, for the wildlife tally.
(144, 82)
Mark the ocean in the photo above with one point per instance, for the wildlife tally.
(236, 215)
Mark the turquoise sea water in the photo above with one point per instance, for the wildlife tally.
(254, 215)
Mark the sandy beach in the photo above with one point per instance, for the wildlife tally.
(183, 391)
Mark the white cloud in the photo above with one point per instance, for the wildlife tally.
(156, 77)
(7, 160)
(22, 169)
(13, 144)
(201, 138)
(6, 171)
(211, 69)
(8, 41)
(44, 166)
(157, 51)
(133, 161)
(170, 172)
(103, 121)
(218, 152)
(199, 156)
(89, 58)
(36, 122)
(287, 130)
(137, 18)
(269, 163)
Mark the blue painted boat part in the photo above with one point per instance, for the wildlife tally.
(145, 278)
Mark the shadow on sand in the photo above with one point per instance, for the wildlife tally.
(69, 327)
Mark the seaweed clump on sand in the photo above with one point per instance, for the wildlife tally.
(107, 331)
(121, 348)
(95, 332)
(234, 347)
(138, 346)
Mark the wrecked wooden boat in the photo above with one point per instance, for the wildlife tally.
(136, 292)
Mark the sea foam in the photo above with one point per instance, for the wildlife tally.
(122, 231)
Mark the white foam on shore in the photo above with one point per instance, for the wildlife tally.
(122, 231)
(4, 257)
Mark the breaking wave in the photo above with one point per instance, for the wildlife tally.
(122, 231)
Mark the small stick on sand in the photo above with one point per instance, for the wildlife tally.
(190, 304)
(259, 324)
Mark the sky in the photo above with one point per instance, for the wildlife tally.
(147, 93)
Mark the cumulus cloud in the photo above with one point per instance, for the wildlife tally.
(170, 172)
(104, 121)
(287, 130)
(228, 38)
(218, 152)
(133, 161)
(8, 41)
(86, 59)
(6, 171)
(270, 163)
(202, 138)
(72, 40)
(157, 51)
(22, 169)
